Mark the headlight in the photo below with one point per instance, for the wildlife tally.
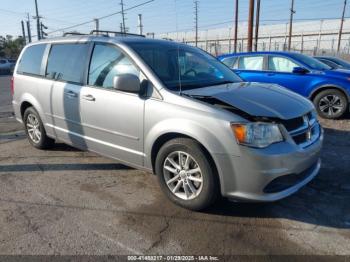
(257, 134)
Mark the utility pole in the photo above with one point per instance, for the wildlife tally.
(97, 24)
(257, 24)
(28, 29)
(37, 17)
(236, 27)
(250, 25)
(140, 26)
(23, 32)
(292, 12)
(123, 16)
(196, 19)
(341, 27)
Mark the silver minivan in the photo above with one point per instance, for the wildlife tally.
(169, 109)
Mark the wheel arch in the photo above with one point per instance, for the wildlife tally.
(28, 100)
(24, 106)
(318, 90)
(162, 139)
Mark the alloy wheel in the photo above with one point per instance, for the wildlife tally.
(330, 105)
(33, 128)
(183, 175)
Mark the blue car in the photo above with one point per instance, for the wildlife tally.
(334, 62)
(328, 88)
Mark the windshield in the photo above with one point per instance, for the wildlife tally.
(311, 62)
(178, 65)
(339, 61)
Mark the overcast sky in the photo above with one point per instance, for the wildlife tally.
(159, 16)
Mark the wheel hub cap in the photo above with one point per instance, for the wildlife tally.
(330, 105)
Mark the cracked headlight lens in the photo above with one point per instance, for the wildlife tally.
(257, 134)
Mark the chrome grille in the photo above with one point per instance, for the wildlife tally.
(304, 130)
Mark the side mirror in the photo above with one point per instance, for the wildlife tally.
(300, 70)
(127, 82)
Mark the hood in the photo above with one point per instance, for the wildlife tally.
(257, 99)
(338, 73)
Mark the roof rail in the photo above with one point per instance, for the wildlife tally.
(73, 33)
(107, 33)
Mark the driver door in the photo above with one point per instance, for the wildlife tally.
(280, 71)
(112, 120)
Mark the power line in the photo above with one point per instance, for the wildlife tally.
(100, 18)
(261, 20)
(12, 12)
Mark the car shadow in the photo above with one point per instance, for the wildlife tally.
(64, 148)
(323, 202)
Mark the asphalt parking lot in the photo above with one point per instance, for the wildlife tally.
(65, 201)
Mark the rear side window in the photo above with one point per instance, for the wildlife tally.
(30, 62)
(66, 62)
(251, 62)
(229, 61)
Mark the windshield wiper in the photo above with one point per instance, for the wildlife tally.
(222, 83)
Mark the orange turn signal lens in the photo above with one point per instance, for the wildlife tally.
(240, 132)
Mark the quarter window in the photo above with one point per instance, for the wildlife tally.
(30, 62)
(66, 62)
(281, 64)
(107, 62)
(251, 62)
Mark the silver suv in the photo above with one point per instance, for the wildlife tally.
(170, 109)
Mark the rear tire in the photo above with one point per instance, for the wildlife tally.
(185, 174)
(35, 130)
(331, 104)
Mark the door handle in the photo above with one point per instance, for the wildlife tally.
(270, 74)
(71, 94)
(89, 98)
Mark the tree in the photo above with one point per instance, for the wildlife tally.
(11, 47)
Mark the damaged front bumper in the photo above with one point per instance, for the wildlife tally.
(268, 174)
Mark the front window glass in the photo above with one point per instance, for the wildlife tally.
(251, 62)
(181, 66)
(281, 64)
(107, 62)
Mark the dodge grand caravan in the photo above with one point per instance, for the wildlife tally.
(170, 109)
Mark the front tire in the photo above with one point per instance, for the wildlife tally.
(35, 130)
(331, 104)
(185, 174)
